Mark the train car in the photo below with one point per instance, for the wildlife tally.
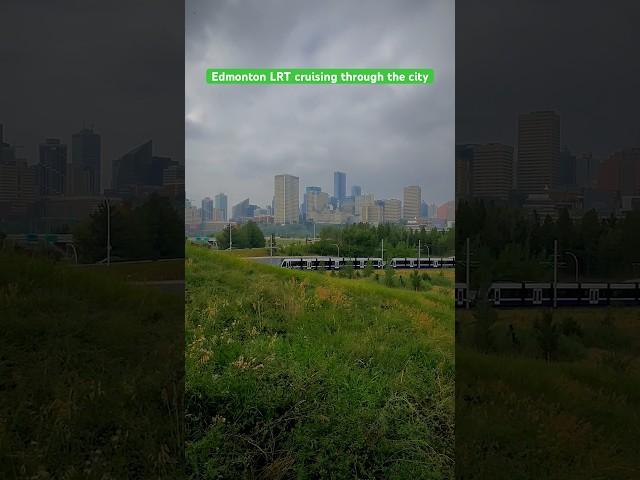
(448, 262)
(295, 263)
(321, 263)
(506, 294)
(401, 262)
(624, 293)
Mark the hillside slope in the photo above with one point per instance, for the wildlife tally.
(302, 375)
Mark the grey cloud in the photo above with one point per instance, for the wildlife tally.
(384, 137)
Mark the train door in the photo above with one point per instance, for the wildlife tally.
(594, 296)
(496, 296)
(537, 296)
(460, 296)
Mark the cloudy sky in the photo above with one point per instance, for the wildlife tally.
(383, 137)
(116, 65)
(578, 58)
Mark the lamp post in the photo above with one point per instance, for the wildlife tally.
(108, 231)
(575, 259)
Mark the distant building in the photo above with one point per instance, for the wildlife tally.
(392, 211)
(463, 161)
(447, 211)
(53, 167)
(372, 214)
(286, 199)
(567, 169)
(339, 186)
(587, 170)
(356, 191)
(315, 201)
(492, 171)
(221, 201)
(411, 202)
(538, 152)
(139, 168)
(207, 209)
(621, 172)
(86, 163)
(240, 210)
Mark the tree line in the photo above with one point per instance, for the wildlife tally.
(151, 230)
(365, 240)
(512, 244)
(248, 235)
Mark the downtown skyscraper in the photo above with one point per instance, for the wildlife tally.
(286, 199)
(538, 152)
(411, 202)
(339, 186)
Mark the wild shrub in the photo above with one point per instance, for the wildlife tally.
(547, 335)
(485, 317)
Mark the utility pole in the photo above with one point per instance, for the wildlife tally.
(468, 279)
(419, 245)
(230, 241)
(108, 231)
(383, 250)
(555, 273)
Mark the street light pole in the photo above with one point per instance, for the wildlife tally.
(555, 273)
(575, 259)
(468, 282)
(108, 231)
(419, 245)
(338, 246)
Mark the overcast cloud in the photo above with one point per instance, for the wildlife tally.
(383, 137)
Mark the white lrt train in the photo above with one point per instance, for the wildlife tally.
(336, 263)
(440, 262)
(523, 294)
(329, 263)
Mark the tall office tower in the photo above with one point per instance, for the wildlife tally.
(464, 159)
(53, 167)
(492, 171)
(538, 152)
(86, 163)
(221, 203)
(286, 199)
(339, 186)
(356, 191)
(207, 209)
(392, 211)
(411, 202)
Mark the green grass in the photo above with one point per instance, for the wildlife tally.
(520, 416)
(90, 375)
(299, 375)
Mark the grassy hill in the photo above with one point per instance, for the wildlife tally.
(554, 401)
(302, 375)
(90, 375)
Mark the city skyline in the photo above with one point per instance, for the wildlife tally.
(384, 136)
